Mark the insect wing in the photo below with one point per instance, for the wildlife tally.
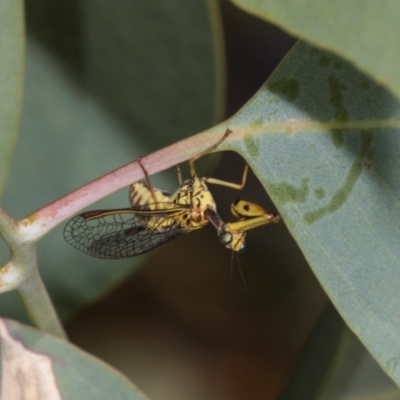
(123, 233)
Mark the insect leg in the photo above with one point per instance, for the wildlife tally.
(206, 151)
(232, 235)
(245, 209)
(147, 177)
(251, 223)
(238, 186)
(179, 173)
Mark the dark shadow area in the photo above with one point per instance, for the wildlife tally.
(58, 26)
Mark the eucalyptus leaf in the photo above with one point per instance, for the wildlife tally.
(324, 141)
(366, 32)
(354, 374)
(56, 369)
(12, 45)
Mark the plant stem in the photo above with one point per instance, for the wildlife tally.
(39, 307)
(21, 272)
(43, 220)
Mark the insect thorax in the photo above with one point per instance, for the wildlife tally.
(195, 194)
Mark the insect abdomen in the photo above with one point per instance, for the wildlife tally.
(140, 194)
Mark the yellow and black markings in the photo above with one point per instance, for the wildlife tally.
(156, 216)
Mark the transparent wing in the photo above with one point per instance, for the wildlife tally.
(126, 232)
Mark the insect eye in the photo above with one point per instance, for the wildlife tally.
(242, 248)
(225, 238)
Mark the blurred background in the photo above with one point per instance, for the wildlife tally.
(177, 328)
(107, 82)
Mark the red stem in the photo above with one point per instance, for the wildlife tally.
(46, 218)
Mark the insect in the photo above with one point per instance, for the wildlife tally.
(232, 235)
(155, 217)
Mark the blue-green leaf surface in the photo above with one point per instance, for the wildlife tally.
(12, 44)
(366, 32)
(324, 141)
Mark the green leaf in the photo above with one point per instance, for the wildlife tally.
(354, 374)
(58, 369)
(335, 365)
(366, 32)
(324, 141)
(109, 84)
(12, 43)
